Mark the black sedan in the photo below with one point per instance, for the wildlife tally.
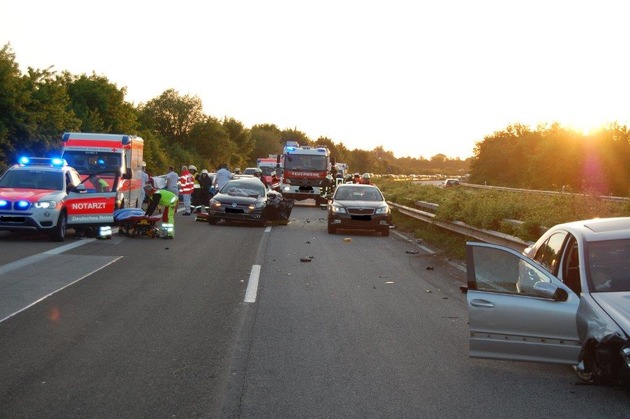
(243, 199)
(357, 206)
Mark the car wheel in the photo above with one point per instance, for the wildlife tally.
(212, 220)
(59, 233)
(332, 229)
(385, 231)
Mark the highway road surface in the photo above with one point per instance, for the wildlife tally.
(232, 321)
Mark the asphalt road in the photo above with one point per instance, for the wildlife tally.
(347, 325)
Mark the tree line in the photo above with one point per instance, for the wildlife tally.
(552, 157)
(37, 107)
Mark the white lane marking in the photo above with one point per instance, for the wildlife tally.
(268, 229)
(41, 256)
(252, 286)
(429, 251)
(402, 236)
(59, 289)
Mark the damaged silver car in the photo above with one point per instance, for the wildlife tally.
(565, 300)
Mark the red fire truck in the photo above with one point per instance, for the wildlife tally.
(306, 172)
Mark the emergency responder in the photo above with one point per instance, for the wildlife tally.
(166, 199)
(186, 188)
(356, 178)
(365, 179)
(100, 184)
(205, 183)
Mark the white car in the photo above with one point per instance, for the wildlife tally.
(565, 300)
(46, 195)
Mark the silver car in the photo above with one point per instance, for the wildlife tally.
(565, 300)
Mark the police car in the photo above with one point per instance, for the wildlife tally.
(46, 195)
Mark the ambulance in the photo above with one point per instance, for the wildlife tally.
(92, 153)
(269, 166)
(46, 195)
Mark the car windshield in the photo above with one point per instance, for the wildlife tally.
(609, 265)
(250, 171)
(243, 189)
(32, 179)
(358, 194)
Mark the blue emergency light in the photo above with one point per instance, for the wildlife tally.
(41, 161)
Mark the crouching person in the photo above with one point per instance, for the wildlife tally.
(169, 201)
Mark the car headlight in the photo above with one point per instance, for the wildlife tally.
(382, 210)
(45, 204)
(256, 205)
(338, 209)
(215, 203)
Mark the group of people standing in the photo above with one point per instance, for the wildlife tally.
(181, 184)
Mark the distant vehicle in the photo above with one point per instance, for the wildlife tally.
(564, 300)
(270, 165)
(358, 206)
(450, 182)
(250, 171)
(242, 199)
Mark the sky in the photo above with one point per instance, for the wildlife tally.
(418, 78)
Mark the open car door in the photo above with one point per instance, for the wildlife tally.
(536, 323)
(93, 201)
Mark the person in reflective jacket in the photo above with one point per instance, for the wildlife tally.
(169, 201)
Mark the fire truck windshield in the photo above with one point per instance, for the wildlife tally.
(305, 162)
(88, 162)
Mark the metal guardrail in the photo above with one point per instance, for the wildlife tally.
(487, 236)
(608, 198)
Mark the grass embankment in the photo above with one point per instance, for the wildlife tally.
(489, 209)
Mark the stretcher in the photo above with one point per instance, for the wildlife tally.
(133, 223)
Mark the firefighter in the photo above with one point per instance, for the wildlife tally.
(169, 201)
(186, 188)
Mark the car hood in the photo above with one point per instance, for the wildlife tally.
(31, 195)
(617, 305)
(364, 204)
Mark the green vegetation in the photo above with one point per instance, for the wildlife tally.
(492, 210)
(38, 107)
(555, 158)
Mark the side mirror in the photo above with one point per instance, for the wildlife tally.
(549, 290)
(80, 188)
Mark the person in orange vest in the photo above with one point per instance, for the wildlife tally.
(186, 188)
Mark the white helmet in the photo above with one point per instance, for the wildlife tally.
(192, 167)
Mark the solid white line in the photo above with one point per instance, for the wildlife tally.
(56, 291)
(252, 286)
(41, 256)
(268, 229)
